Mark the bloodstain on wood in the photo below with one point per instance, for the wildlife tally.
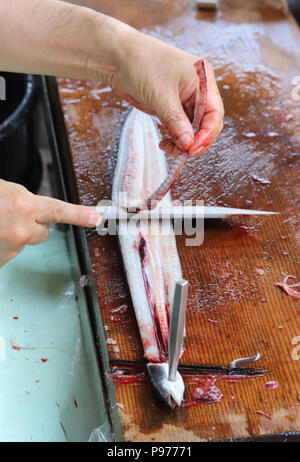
(263, 414)
(272, 385)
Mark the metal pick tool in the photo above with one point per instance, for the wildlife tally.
(177, 327)
(243, 361)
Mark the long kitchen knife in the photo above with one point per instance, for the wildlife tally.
(176, 212)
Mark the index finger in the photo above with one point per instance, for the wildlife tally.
(51, 210)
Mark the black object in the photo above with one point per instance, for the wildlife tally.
(295, 9)
(20, 160)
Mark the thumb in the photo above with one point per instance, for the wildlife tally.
(175, 120)
(51, 210)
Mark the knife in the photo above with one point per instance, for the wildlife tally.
(175, 212)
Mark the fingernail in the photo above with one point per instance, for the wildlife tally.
(185, 141)
(95, 219)
(197, 151)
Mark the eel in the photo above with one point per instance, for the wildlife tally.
(150, 256)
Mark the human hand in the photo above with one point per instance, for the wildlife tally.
(161, 80)
(24, 218)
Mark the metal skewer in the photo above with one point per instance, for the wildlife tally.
(164, 376)
(177, 327)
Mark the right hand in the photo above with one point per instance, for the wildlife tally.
(161, 80)
(24, 218)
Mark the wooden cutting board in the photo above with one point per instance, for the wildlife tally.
(234, 309)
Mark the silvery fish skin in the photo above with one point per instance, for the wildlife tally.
(150, 258)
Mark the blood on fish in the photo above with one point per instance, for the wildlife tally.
(147, 257)
(161, 342)
(199, 110)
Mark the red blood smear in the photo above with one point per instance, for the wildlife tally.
(15, 347)
(15, 317)
(272, 385)
(36, 381)
(75, 402)
(97, 252)
(192, 403)
(44, 360)
(242, 232)
(63, 429)
(115, 319)
(129, 379)
(208, 394)
(263, 414)
(200, 380)
(249, 431)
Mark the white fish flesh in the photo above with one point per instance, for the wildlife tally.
(150, 258)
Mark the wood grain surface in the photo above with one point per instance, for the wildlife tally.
(234, 309)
